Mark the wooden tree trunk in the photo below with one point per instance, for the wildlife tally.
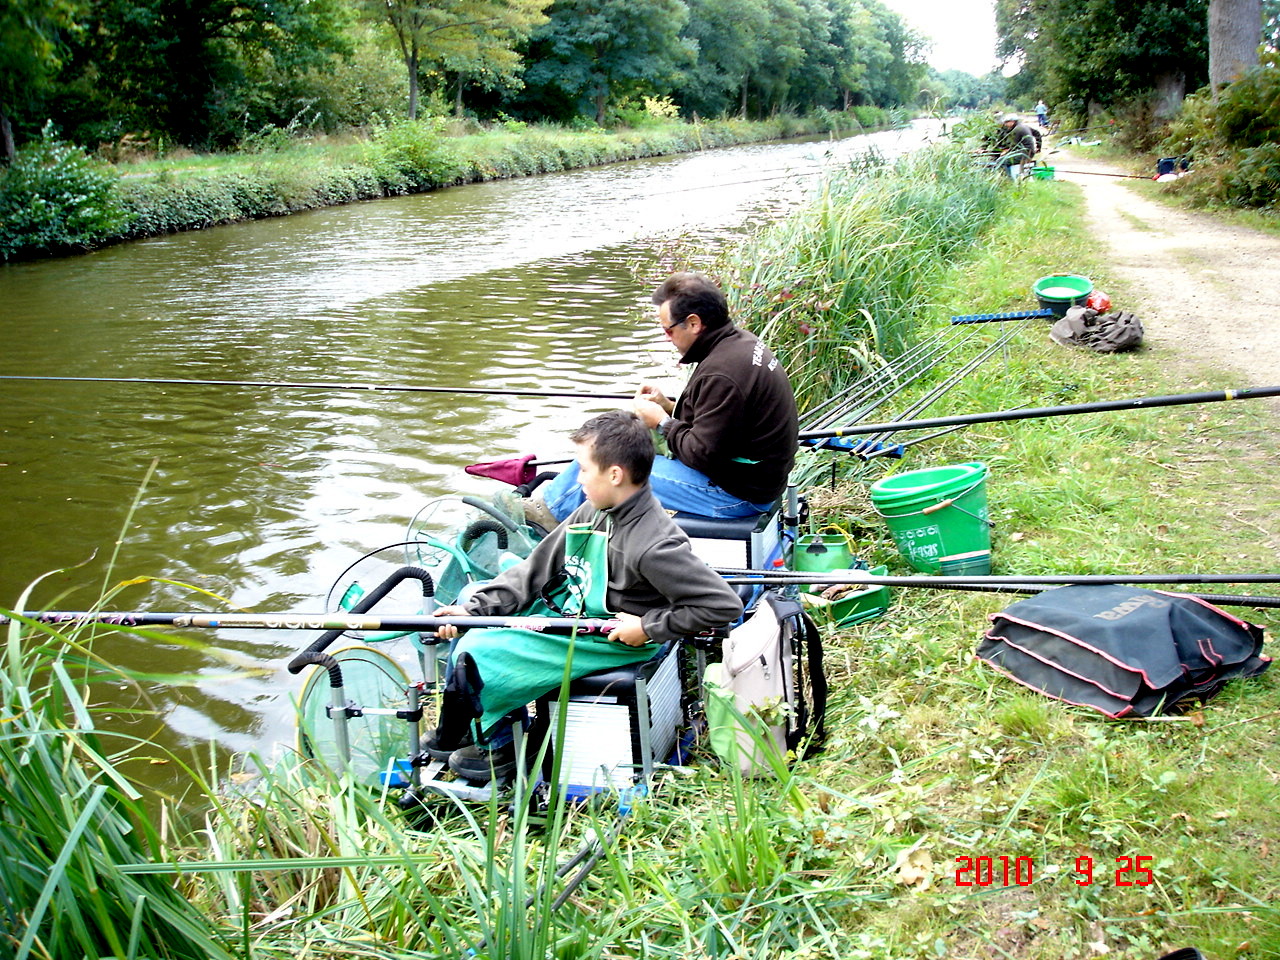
(411, 64)
(1235, 31)
(1171, 90)
(7, 149)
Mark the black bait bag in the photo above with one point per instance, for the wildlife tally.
(1122, 650)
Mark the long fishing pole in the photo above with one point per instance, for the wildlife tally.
(1099, 173)
(1019, 585)
(315, 621)
(940, 389)
(733, 575)
(378, 387)
(1139, 403)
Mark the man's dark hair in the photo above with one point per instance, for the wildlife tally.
(620, 437)
(693, 293)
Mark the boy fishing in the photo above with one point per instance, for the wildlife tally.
(617, 556)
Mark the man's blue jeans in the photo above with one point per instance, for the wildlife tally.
(676, 485)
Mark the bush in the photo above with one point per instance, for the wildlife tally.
(413, 152)
(1233, 141)
(54, 197)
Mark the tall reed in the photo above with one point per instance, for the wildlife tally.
(840, 286)
(70, 821)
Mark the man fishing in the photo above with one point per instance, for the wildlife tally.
(732, 433)
(1016, 145)
(618, 556)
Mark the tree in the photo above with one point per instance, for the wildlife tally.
(186, 69)
(861, 49)
(31, 35)
(726, 34)
(1235, 32)
(1087, 54)
(599, 52)
(467, 36)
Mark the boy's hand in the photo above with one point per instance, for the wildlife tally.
(630, 630)
(447, 631)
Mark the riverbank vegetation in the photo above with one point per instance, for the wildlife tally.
(930, 755)
(54, 198)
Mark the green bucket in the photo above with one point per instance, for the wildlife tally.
(822, 553)
(938, 517)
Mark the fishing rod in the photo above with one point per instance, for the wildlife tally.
(1138, 403)
(1010, 584)
(734, 575)
(1098, 173)
(587, 626)
(381, 387)
(940, 389)
(870, 391)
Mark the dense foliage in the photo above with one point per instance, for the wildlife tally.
(211, 73)
(1233, 144)
(1082, 56)
(53, 196)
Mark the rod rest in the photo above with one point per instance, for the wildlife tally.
(365, 605)
(309, 658)
(722, 528)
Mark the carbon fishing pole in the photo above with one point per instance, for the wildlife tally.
(870, 391)
(315, 621)
(735, 575)
(1098, 173)
(1008, 584)
(374, 387)
(1139, 403)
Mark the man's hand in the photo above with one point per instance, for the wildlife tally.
(630, 630)
(651, 413)
(651, 405)
(447, 631)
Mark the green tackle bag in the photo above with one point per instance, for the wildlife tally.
(767, 698)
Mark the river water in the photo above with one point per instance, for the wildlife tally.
(263, 495)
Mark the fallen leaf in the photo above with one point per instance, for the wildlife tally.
(914, 866)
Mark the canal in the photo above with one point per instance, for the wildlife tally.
(262, 496)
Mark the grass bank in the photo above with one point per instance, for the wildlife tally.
(931, 755)
(55, 200)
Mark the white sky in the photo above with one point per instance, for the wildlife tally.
(963, 31)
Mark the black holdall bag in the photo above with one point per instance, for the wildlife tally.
(1122, 650)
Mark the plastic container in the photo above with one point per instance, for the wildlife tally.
(1061, 291)
(1042, 173)
(856, 607)
(938, 517)
(822, 552)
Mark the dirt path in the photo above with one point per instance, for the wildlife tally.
(1207, 290)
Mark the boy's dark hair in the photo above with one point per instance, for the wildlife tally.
(620, 437)
(693, 293)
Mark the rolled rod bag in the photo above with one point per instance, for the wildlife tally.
(1122, 650)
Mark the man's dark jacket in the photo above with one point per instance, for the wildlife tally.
(736, 419)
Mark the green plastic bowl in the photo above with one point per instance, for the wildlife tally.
(1061, 290)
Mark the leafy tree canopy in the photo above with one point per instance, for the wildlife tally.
(1077, 53)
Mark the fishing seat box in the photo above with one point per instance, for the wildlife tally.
(740, 542)
(620, 723)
